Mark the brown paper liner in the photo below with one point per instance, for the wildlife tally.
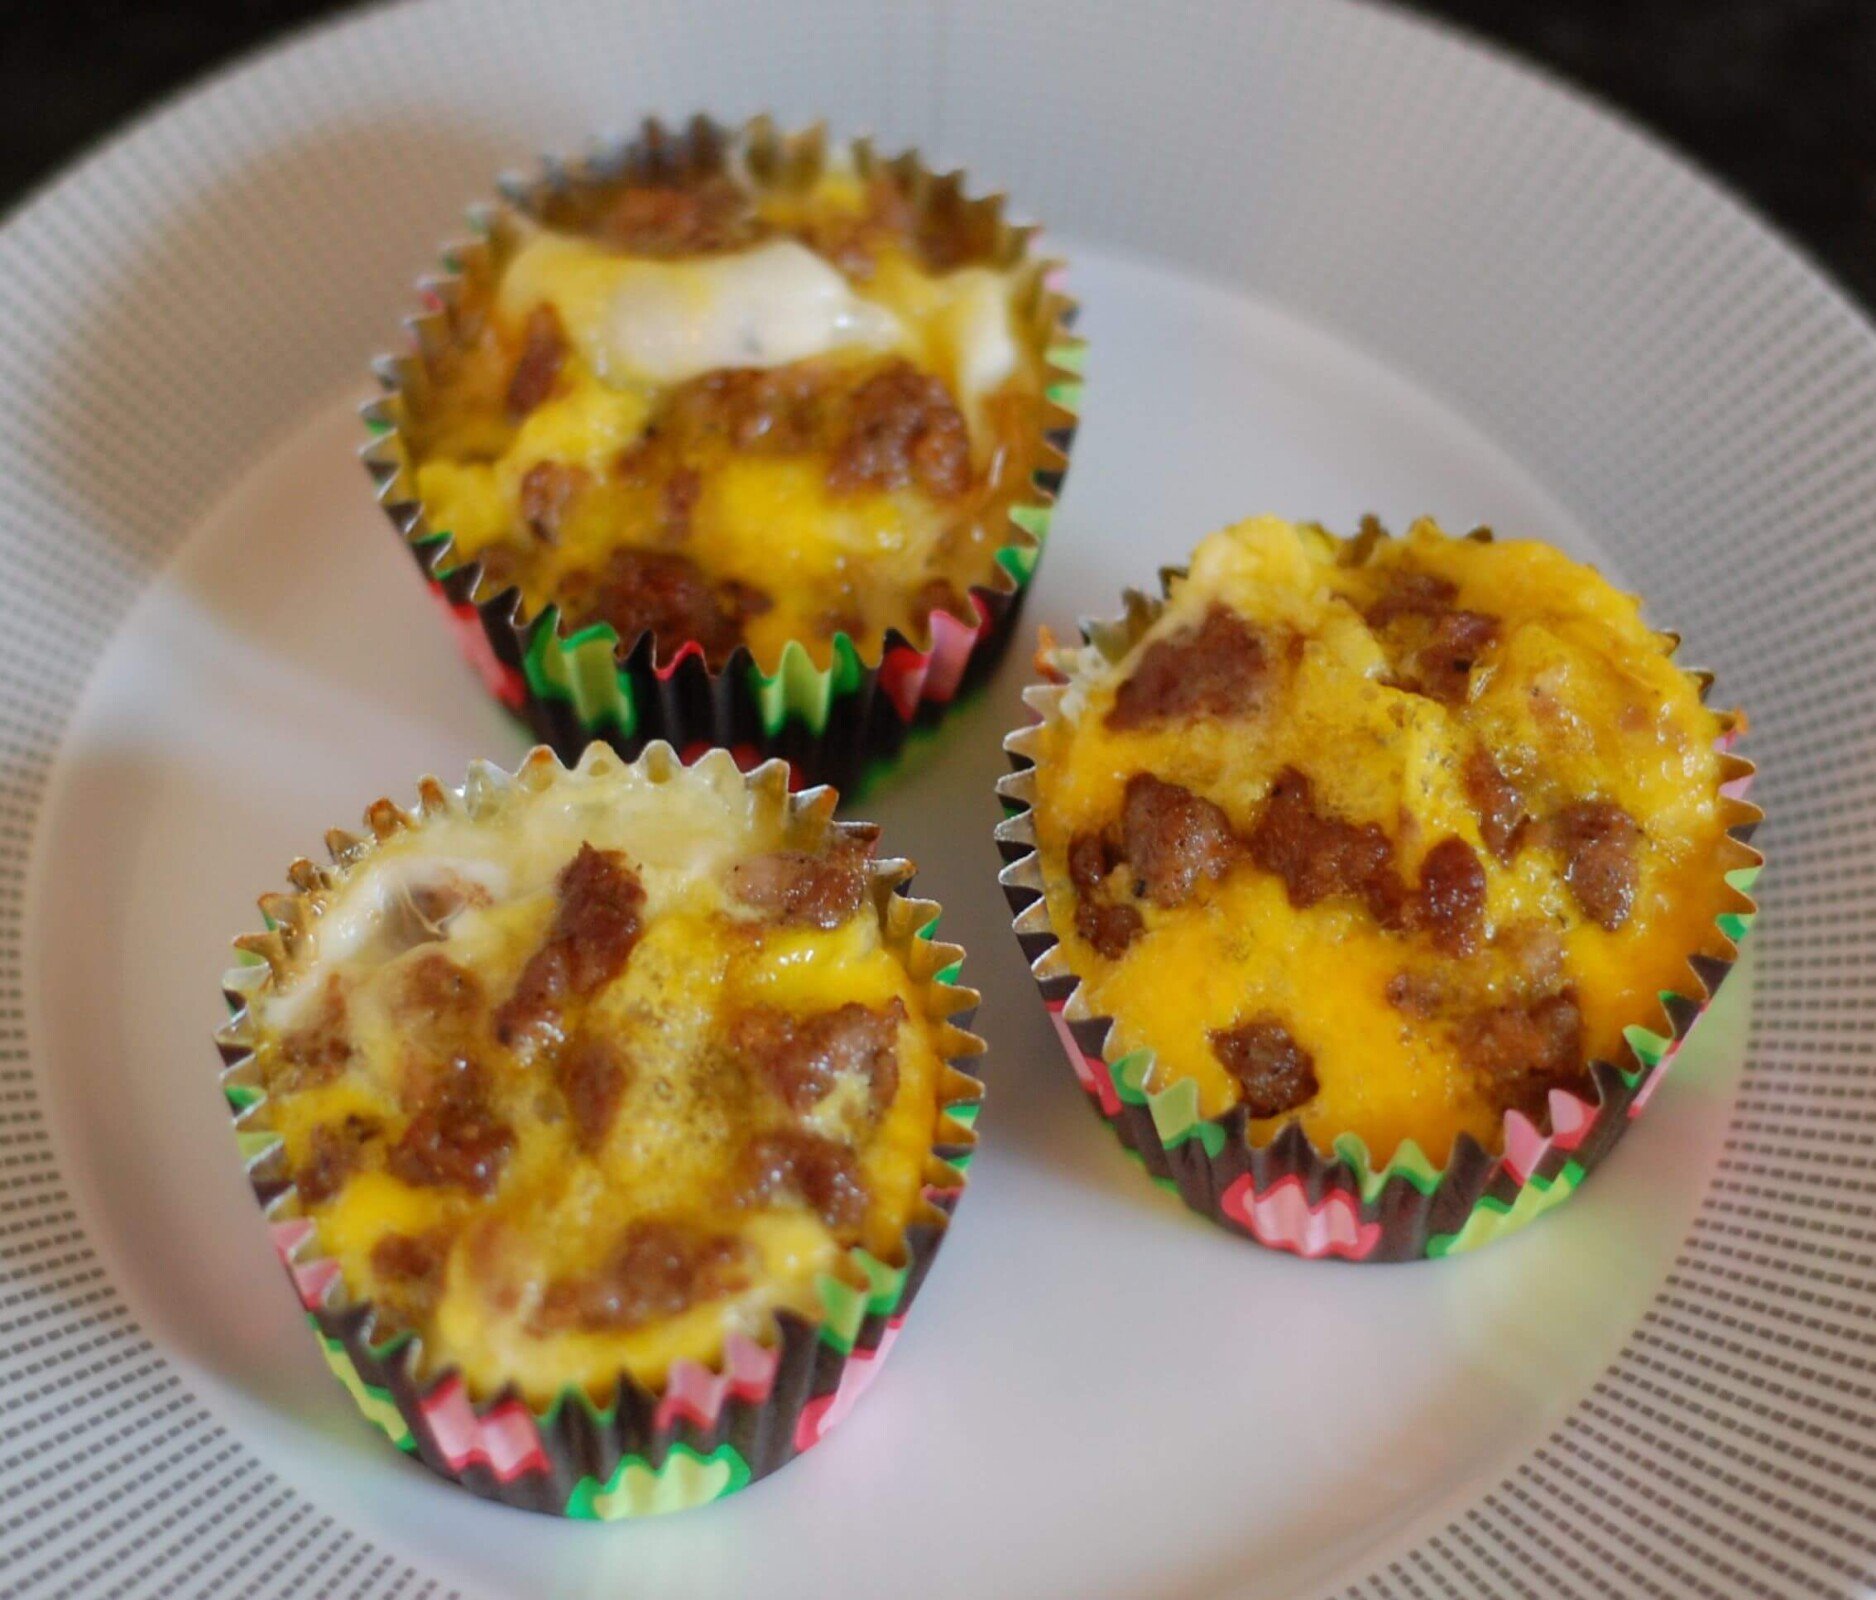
(704, 1431)
(1286, 1193)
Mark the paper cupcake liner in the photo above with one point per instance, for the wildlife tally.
(706, 1430)
(1287, 1194)
(840, 723)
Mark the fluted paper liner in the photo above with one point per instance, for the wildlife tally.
(1286, 1193)
(705, 1431)
(833, 713)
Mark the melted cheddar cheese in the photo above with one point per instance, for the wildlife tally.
(826, 289)
(525, 1196)
(1560, 683)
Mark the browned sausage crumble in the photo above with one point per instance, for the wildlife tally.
(1525, 1051)
(548, 492)
(319, 1048)
(412, 1264)
(593, 1075)
(337, 1152)
(666, 594)
(805, 1058)
(903, 428)
(1217, 669)
(1500, 807)
(543, 348)
(793, 1163)
(1274, 1073)
(455, 1140)
(1171, 838)
(658, 1269)
(1599, 841)
(820, 889)
(595, 927)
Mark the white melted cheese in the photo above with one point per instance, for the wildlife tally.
(638, 321)
(676, 849)
(975, 326)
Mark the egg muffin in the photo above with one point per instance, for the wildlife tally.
(1400, 843)
(589, 1093)
(740, 398)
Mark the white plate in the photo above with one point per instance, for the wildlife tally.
(1331, 262)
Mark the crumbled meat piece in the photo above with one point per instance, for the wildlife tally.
(682, 490)
(433, 993)
(595, 927)
(412, 1264)
(593, 1075)
(543, 349)
(658, 1269)
(1600, 843)
(1109, 928)
(1433, 645)
(1317, 856)
(1533, 951)
(335, 1154)
(548, 489)
(1419, 994)
(318, 1050)
(698, 218)
(1411, 594)
(1441, 667)
(813, 889)
(1500, 808)
(1216, 669)
(775, 411)
(804, 1058)
(598, 918)
(1091, 857)
(1450, 903)
(455, 1140)
(823, 1174)
(1274, 1073)
(666, 594)
(1522, 1052)
(1172, 838)
(903, 428)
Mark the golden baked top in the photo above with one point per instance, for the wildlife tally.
(739, 409)
(585, 1083)
(1387, 836)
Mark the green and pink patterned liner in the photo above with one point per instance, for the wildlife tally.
(707, 1430)
(842, 723)
(1285, 1193)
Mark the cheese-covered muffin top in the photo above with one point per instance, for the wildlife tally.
(1385, 836)
(584, 1083)
(739, 410)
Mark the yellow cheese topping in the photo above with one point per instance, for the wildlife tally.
(804, 416)
(553, 1195)
(1340, 725)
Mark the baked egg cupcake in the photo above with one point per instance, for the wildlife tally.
(735, 438)
(606, 1120)
(1373, 881)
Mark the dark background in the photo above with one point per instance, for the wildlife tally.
(1777, 97)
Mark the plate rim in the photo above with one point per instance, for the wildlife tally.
(1539, 1488)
